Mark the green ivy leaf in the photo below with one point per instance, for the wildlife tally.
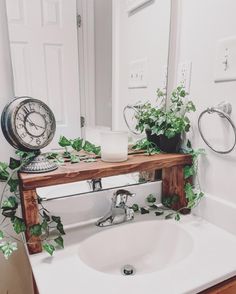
(46, 216)
(13, 184)
(169, 216)
(60, 228)
(74, 158)
(151, 198)
(44, 225)
(135, 207)
(56, 219)
(64, 142)
(36, 230)
(4, 174)
(14, 163)
(1, 235)
(77, 144)
(177, 216)
(188, 171)
(49, 248)
(18, 225)
(59, 241)
(8, 248)
(10, 203)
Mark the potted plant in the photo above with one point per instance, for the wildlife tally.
(163, 126)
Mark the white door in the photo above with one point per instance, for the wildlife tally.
(44, 47)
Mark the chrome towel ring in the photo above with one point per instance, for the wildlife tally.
(135, 109)
(223, 110)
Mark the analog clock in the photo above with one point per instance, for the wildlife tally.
(28, 124)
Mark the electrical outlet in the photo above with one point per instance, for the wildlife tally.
(184, 75)
(138, 74)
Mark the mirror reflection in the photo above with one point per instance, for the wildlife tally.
(88, 59)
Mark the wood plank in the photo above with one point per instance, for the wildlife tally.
(226, 287)
(69, 173)
(173, 183)
(30, 214)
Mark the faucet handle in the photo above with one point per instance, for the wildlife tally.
(121, 196)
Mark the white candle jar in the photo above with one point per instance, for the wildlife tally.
(114, 146)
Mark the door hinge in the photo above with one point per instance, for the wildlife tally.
(82, 121)
(79, 20)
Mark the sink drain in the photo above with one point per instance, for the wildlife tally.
(128, 270)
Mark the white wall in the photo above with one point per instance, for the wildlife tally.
(201, 24)
(139, 35)
(15, 274)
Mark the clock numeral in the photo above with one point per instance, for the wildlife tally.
(23, 135)
(26, 110)
(21, 117)
(38, 141)
(31, 106)
(20, 126)
(31, 139)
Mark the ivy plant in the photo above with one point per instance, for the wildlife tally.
(169, 122)
(10, 200)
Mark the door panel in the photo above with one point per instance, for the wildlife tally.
(44, 48)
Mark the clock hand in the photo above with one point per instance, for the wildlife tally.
(31, 123)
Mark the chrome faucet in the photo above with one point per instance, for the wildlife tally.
(119, 211)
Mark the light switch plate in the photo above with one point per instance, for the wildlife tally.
(225, 62)
(138, 74)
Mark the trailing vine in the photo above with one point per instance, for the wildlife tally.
(50, 228)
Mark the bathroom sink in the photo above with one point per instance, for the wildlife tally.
(144, 247)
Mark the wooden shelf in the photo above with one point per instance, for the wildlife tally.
(69, 173)
(173, 182)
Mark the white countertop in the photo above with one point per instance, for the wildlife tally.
(211, 261)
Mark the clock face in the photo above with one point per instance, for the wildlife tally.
(29, 123)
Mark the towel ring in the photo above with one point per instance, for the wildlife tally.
(223, 110)
(135, 109)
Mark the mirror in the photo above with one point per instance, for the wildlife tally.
(89, 59)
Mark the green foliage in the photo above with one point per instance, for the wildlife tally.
(135, 207)
(7, 248)
(49, 248)
(4, 174)
(36, 230)
(1, 235)
(193, 195)
(59, 241)
(149, 147)
(18, 225)
(166, 122)
(151, 199)
(64, 142)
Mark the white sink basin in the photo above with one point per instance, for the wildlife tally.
(148, 246)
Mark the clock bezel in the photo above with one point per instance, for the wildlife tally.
(8, 123)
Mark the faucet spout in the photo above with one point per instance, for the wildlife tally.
(119, 211)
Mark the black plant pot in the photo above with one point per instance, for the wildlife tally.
(167, 145)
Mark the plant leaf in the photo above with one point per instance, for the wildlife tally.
(4, 174)
(56, 219)
(64, 142)
(188, 171)
(151, 198)
(18, 225)
(49, 248)
(1, 235)
(10, 203)
(44, 225)
(46, 216)
(36, 230)
(77, 144)
(74, 158)
(59, 240)
(14, 163)
(8, 248)
(13, 184)
(60, 228)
